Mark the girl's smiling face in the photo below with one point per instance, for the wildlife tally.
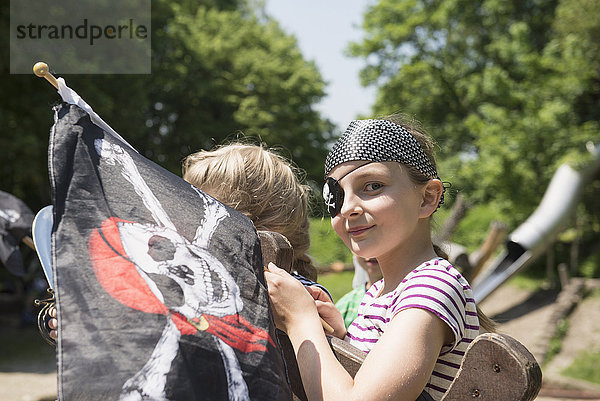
(381, 207)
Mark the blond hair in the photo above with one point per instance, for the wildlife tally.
(261, 184)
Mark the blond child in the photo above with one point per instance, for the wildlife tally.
(262, 185)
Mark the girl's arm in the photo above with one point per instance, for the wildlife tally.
(397, 368)
(401, 362)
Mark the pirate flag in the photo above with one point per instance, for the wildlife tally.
(160, 290)
(15, 223)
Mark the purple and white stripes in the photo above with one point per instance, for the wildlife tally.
(435, 286)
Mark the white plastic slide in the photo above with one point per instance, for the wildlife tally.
(536, 234)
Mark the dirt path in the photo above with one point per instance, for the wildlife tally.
(531, 318)
(583, 335)
(19, 386)
(521, 314)
(30, 373)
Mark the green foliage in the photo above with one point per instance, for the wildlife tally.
(590, 267)
(527, 282)
(219, 67)
(325, 245)
(473, 228)
(338, 284)
(236, 72)
(578, 159)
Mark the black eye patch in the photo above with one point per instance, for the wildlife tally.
(333, 195)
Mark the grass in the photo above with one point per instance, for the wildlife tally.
(585, 366)
(325, 245)
(338, 284)
(527, 282)
(555, 344)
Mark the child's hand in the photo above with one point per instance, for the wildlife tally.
(53, 323)
(290, 302)
(328, 312)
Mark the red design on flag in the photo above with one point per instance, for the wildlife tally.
(118, 275)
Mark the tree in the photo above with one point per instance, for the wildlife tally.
(218, 68)
(226, 71)
(509, 88)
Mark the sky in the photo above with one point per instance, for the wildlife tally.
(323, 29)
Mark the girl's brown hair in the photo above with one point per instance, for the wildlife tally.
(428, 145)
(261, 184)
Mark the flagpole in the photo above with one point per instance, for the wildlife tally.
(41, 70)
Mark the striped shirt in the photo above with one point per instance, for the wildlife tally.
(437, 287)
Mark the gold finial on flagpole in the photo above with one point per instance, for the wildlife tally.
(41, 70)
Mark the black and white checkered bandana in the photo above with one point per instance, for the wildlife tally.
(379, 141)
(373, 141)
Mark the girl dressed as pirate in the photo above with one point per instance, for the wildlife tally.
(381, 189)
